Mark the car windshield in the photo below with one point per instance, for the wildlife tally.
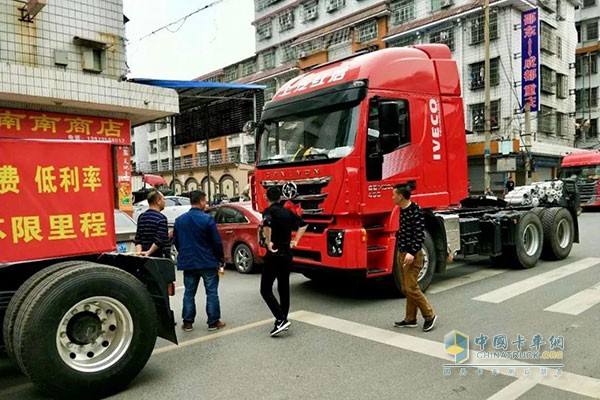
(123, 222)
(301, 137)
(580, 172)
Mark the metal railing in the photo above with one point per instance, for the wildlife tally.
(199, 161)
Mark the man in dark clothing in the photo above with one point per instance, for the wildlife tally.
(200, 253)
(510, 185)
(278, 224)
(410, 257)
(152, 236)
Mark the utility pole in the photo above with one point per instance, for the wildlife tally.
(486, 79)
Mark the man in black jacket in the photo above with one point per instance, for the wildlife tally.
(410, 257)
(278, 224)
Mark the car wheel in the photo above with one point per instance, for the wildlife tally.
(243, 260)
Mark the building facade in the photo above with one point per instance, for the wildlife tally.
(587, 17)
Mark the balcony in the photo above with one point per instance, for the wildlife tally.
(200, 161)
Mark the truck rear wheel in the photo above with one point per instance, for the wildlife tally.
(529, 239)
(558, 233)
(19, 298)
(426, 273)
(86, 332)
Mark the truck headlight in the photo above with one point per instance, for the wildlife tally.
(335, 243)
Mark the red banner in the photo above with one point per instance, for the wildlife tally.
(56, 199)
(25, 124)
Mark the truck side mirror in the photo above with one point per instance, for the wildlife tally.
(389, 126)
(249, 126)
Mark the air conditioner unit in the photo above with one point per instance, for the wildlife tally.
(302, 54)
(445, 3)
(331, 7)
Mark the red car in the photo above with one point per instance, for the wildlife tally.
(238, 226)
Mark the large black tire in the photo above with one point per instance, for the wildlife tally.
(529, 239)
(22, 293)
(559, 231)
(426, 274)
(243, 259)
(86, 332)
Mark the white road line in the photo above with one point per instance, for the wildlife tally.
(579, 302)
(570, 382)
(510, 291)
(463, 280)
(514, 390)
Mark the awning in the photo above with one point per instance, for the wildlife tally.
(154, 180)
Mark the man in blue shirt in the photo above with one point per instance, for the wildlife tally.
(151, 236)
(200, 253)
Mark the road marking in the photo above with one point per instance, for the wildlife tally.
(515, 389)
(464, 280)
(579, 302)
(224, 332)
(570, 382)
(510, 291)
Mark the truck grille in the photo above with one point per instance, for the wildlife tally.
(306, 192)
(587, 190)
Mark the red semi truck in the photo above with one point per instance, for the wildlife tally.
(337, 139)
(78, 318)
(584, 167)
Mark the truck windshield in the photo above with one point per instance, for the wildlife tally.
(322, 134)
(580, 172)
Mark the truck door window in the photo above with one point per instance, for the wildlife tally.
(373, 128)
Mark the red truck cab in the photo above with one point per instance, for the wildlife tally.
(583, 166)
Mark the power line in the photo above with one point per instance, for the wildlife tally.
(181, 20)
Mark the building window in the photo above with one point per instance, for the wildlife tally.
(559, 47)
(153, 166)
(586, 97)
(152, 147)
(249, 67)
(586, 64)
(561, 124)
(562, 86)
(270, 89)
(310, 11)
(264, 30)
(94, 60)
(444, 36)
(477, 70)
(262, 4)
(287, 52)
(233, 154)
(478, 115)
(250, 150)
(402, 11)
(268, 59)
(333, 5)
(546, 119)
(164, 144)
(589, 3)
(338, 37)
(231, 73)
(366, 31)
(547, 40)
(578, 29)
(164, 164)
(437, 5)
(403, 41)
(591, 31)
(151, 127)
(477, 28)
(286, 20)
(132, 149)
(215, 156)
(548, 83)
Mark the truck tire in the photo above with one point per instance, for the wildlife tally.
(86, 332)
(558, 233)
(22, 293)
(426, 274)
(529, 239)
(243, 260)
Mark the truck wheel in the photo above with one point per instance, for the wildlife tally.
(529, 239)
(87, 331)
(558, 233)
(426, 273)
(243, 260)
(22, 293)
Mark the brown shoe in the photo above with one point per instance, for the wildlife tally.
(187, 326)
(217, 325)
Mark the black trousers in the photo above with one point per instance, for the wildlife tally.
(277, 266)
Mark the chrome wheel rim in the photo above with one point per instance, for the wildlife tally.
(242, 259)
(425, 268)
(94, 334)
(531, 239)
(563, 233)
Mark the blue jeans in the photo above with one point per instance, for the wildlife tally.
(191, 279)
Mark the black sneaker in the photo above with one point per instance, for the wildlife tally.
(405, 324)
(187, 326)
(428, 325)
(279, 327)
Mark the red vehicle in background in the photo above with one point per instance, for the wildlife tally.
(585, 168)
(238, 226)
(337, 139)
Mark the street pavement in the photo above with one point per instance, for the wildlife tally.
(342, 344)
